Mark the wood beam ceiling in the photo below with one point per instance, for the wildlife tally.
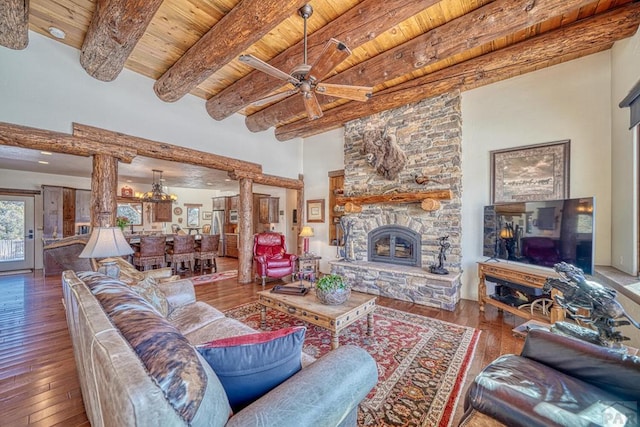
(356, 27)
(244, 25)
(115, 29)
(476, 28)
(14, 24)
(58, 142)
(579, 39)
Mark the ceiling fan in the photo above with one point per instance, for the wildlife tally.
(306, 78)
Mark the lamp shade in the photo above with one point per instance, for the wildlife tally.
(106, 242)
(306, 231)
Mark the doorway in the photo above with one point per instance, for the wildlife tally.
(17, 229)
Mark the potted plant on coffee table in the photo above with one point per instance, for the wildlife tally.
(332, 289)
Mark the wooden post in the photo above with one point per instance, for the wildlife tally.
(301, 215)
(245, 231)
(104, 183)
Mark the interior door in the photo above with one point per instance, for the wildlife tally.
(16, 233)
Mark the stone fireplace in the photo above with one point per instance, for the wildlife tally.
(392, 245)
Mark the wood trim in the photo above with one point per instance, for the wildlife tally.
(582, 38)
(332, 174)
(58, 142)
(19, 192)
(14, 24)
(244, 25)
(106, 45)
(164, 151)
(454, 37)
(357, 26)
(413, 197)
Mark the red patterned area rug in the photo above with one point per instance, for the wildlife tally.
(422, 362)
(210, 278)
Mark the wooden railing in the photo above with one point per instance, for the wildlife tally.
(11, 250)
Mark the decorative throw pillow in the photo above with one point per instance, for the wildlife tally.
(148, 290)
(249, 366)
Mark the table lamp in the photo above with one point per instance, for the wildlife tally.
(306, 232)
(107, 242)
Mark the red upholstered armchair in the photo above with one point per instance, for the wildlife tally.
(270, 258)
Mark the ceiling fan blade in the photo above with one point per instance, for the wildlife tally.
(334, 52)
(275, 97)
(312, 105)
(356, 93)
(260, 65)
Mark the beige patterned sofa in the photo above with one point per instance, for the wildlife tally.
(138, 367)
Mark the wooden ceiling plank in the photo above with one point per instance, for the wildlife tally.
(247, 23)
(579, 39)
(58, 142)
(480, 26)
(164, 151)
(14, 24)
(115, 29)
(356, 27)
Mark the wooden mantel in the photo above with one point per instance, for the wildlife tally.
(413, 197)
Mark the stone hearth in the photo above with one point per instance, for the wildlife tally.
(403, 283)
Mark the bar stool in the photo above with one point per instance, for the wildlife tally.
(207, 250)
(151, 252)
(182, 250)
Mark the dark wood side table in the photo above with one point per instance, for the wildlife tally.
(308, 267)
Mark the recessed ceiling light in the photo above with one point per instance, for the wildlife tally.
(129, 180)
(46, 153)
(162, 180)
(227, 179)
(57, 32)
(209, 183)
(42, 162)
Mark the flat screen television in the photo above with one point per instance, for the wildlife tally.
(542, 233)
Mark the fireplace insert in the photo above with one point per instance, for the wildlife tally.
(394, 244)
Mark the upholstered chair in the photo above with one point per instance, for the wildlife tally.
(182, 250)
(207, 250)
(270, 257)
(151, 253)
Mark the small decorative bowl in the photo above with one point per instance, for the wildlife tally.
(333, 297)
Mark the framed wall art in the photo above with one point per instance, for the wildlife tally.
(207, 215)
(530, 173)
(315, 210)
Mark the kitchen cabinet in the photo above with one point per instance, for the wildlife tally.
(269, 210)
(219, 203)
(231, 245)
(59, 211)
(163, 212)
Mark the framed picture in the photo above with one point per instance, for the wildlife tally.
(315, 210)
(533, 172)
(207, 215)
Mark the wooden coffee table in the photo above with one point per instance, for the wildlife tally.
(332, 317)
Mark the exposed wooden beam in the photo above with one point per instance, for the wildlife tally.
(116, 27)
(272, 180)
(14, 24)
(476, 28)
(247, 23)
(357, 26)
(579, 39)
(58, 142)
(164, 151)
(412, 197)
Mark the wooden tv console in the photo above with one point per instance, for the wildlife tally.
(520, 275)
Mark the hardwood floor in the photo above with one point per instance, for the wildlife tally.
(38, 381)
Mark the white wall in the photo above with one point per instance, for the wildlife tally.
(322, 154)
(625, 63)
(566, 101)
(44, 86)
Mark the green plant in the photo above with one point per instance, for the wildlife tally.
(122, 222)
(331, 282)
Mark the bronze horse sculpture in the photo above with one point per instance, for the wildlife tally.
(590, 303)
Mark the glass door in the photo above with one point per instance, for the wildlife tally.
(16, 233)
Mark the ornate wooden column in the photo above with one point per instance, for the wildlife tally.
(245, 231)
(104, 189)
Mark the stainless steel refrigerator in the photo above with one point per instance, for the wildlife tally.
(217, 227)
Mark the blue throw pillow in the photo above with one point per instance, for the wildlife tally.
(249, 366)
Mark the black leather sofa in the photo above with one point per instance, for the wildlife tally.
(556, 381)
